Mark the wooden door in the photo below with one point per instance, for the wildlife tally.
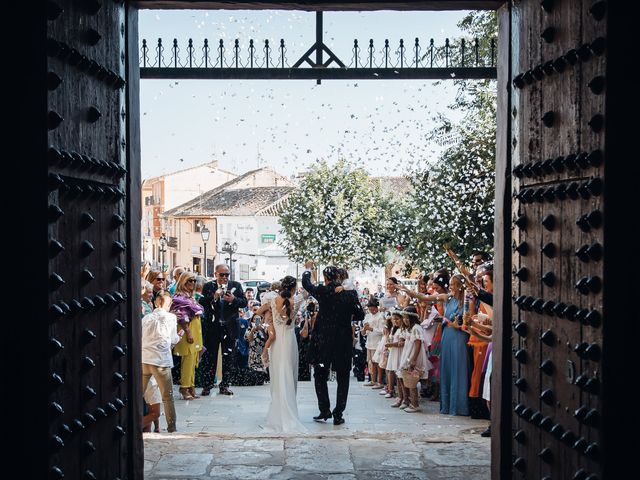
(92, 212)
(560, 184)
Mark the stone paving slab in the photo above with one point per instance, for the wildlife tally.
(249, 457)
(460, 473)
(221, 437)
(319, 455)
(182, 464)
(258, 444)
(405, 474)
(458, 454)
(382, 459)
(243, 472)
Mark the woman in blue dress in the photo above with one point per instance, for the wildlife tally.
(454, 357)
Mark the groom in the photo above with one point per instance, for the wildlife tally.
(331, 341)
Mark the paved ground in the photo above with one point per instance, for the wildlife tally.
(221, 437)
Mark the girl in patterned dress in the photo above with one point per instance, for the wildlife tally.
(414, 364)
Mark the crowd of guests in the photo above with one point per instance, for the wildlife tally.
(432, 343)
(200, 333)
(437, 337)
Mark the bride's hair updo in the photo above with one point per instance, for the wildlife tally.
(287, 289)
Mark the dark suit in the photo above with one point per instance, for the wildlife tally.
(331, 341)
(220, 326)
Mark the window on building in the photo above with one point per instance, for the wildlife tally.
(244, 271)
(198, 225)
(156, 194)
(196, 264)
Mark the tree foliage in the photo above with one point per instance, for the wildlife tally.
(336, 216)
(453, 200)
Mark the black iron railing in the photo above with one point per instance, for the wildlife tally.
(472, 58)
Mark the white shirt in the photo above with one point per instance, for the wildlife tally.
(159, 334)
(375, 321)
(152, 393)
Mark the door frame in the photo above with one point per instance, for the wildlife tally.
(619, 188)
(500, 443)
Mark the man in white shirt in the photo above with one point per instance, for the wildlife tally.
(159, 335)
(373, 328)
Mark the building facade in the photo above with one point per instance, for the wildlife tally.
(167, 191)
(243, 212)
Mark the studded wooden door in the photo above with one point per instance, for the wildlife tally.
(93, 346)
(558, 152)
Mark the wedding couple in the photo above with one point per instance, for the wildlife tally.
(331, 344)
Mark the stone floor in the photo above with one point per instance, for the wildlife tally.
(222, 437)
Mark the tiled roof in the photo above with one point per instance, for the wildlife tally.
(213, 164)
(221, 202)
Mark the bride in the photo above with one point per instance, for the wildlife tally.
(280, 354)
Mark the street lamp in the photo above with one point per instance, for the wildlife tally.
(230, 249)
(163, 244)
(205, 238)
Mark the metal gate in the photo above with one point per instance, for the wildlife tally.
(93, 380)
(557, 146)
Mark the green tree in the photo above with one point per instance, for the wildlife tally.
(336, 216)
(453, 200)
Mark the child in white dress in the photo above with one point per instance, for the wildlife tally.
(414, 364)
(395, 344)
(373, 328)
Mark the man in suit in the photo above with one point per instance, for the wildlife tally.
(221, 299)
(331, 340)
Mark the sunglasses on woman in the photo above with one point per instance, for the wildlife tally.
(191, 280)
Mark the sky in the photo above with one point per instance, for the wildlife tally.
(380, 125)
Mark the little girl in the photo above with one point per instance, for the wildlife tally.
(414, 363)
(395, 344)
(381, 355)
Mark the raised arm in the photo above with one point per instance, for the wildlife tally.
(438, 297)
(308, 285)
(485, 297)
(477, 334)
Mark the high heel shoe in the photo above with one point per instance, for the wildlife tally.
(192, 391)
(186, 394)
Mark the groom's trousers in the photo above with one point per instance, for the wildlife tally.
(321, 376)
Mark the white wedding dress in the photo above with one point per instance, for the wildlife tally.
(283, 373)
